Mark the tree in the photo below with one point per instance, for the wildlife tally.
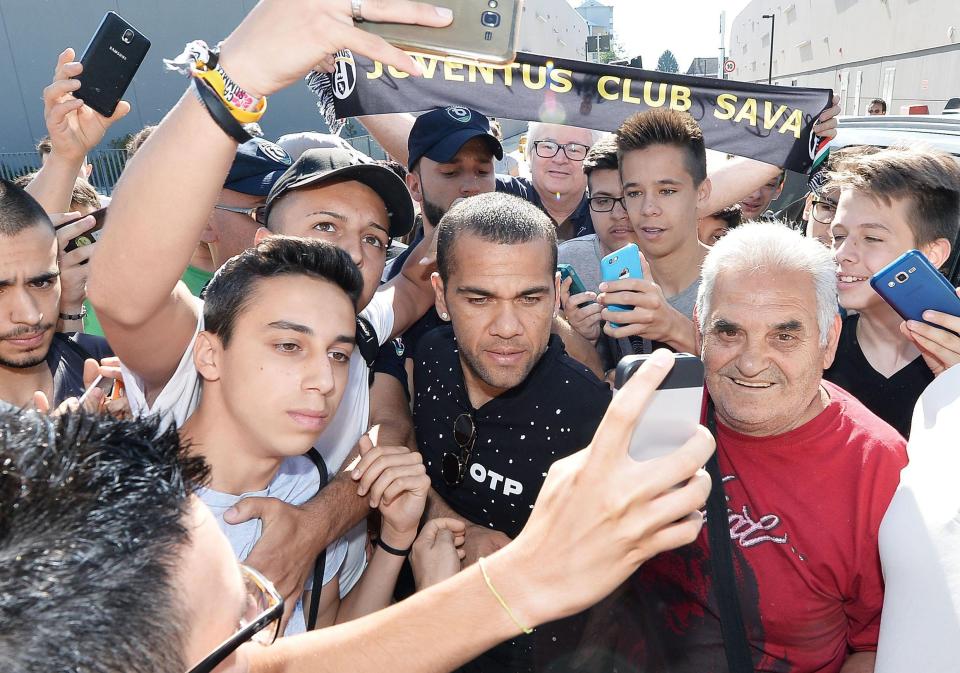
(616, 50)
(667, 62)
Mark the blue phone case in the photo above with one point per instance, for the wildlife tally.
(911, 285)
(620, 264)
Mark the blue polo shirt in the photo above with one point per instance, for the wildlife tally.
(578, 224)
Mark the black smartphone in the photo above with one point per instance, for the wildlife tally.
(912, 285)
(110, 61)
(673, 414)
(87, 237)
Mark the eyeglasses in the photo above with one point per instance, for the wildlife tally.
(605, 204)
(573, 151)
(823, 211)
(264, 609)
(454, 465)
(255, 213)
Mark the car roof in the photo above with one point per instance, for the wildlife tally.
(941, 132)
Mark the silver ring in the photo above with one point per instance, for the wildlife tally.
(356, 7)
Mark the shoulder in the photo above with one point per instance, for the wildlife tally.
(379, 313)
(578, 245)
(866, 432)
(514, 185)
(570, 372)
(437, 343)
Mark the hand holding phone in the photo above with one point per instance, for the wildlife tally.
(619, 265)
(110, 61)
(673, 414)
(911, 285)
(76, 233)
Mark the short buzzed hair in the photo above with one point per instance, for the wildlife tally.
(929, 179)
(665, 127)
(19, 211)
(495, 218)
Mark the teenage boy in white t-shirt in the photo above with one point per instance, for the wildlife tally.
(327, 194)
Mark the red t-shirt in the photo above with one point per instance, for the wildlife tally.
(804, 510)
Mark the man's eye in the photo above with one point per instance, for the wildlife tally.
(325, 227)
(477, 301)
(786, 337)
(337, 356)
(41, 284)
(632, 194)
(287, 347)
(668, 192)
(529, 300)
(374, 241)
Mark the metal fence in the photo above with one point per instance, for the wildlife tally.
(107, 166)
(109, 163)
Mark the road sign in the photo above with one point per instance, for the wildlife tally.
(729, 66)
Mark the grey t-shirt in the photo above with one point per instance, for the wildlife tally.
(296, 481)
(584, 255)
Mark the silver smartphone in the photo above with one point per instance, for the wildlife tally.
(673, 415)
(482, 30)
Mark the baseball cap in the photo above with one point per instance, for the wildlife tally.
(316, 166)
(256, 166)
(440, 133)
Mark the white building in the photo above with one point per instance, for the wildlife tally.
(553, 28)
(906, 52)
(599, 17)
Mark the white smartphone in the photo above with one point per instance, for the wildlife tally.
(673, 414)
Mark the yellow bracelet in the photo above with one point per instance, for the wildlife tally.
(503, 603)
(216, 81)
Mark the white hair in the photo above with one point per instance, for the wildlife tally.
(771, 247)
(535, 129)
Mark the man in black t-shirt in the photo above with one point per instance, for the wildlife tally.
(496, 398)
(34, 358)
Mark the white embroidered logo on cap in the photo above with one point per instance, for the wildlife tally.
(344, 74)
(460, 114)
(274, 152)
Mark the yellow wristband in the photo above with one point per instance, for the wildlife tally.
(503, 603)
(215, 78)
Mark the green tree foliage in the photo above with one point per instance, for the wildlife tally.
(667, 62)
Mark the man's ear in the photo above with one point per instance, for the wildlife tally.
(414, 186)
(262, 233)
(938, 251)
(833, 338)
(556, 293)
(703, 196)
(440, 300)
(697, 335)
(207, 355)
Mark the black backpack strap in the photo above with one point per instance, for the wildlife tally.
(735, 643)
(368, 343)
(320, 564)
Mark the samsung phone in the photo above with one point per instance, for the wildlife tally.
(912, 285)
(88, 237)
(110, 61)
(482, 30)
(576, 285)
(618, 265)
(674, 412)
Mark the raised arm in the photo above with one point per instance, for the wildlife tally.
(391, 131)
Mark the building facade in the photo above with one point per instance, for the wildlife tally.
(906, 52)
(599, 17)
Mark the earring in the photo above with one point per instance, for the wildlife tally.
(444, 316)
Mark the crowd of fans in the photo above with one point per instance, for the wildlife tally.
(417, 459)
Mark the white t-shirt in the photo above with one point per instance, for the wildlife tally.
(180, 397)
(920, 542)
(296, 481)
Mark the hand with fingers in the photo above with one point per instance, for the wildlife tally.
(601, 514)
(279, 41)
(73, 264)
(437, 551)
(650, 315)
(395, 481)
(582, 311)
(74, 128)
(95, 399)
(938, 343)
(826, 126)
(481, 541)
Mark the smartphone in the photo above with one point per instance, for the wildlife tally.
(674, 412)
(577, 286)
(101, 382)
(482, 30)
(110, 61)
(912, 285)
(620, 264)
(87, 237)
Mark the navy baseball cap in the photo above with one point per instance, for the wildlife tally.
(316, 166)
(440, 133)
(256, 166)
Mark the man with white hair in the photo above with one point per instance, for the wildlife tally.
(807, 471)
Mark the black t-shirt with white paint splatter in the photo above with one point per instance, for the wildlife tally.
(519, 434)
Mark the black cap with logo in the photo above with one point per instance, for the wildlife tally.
(440, 133)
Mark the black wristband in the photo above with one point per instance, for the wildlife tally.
(75, 316)
(390, 550)
(218, 110)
